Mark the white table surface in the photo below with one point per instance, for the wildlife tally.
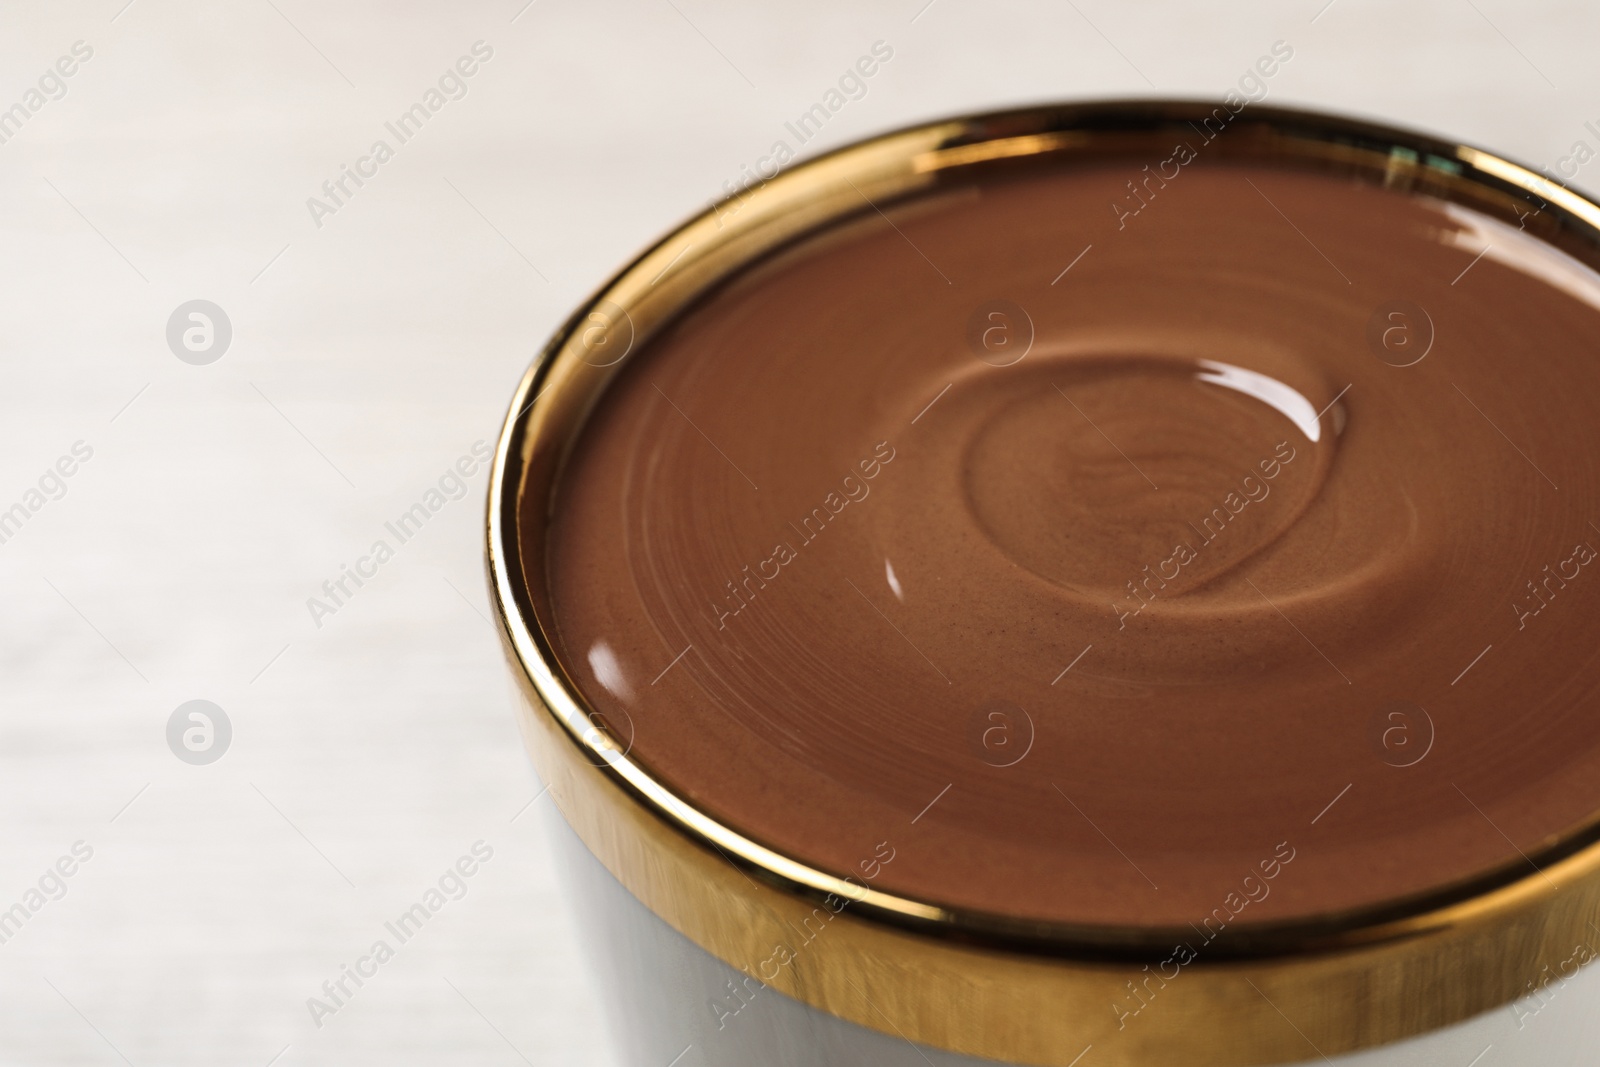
(367, 355)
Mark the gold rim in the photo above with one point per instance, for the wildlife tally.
(988, 985)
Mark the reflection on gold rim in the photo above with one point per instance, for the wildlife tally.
(992, 986)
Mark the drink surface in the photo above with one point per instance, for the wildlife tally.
(1216, 545)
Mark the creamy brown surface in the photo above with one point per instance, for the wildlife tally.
(1260, 548)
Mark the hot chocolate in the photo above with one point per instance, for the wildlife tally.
(1103, 567)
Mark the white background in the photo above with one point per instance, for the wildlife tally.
(367, 356)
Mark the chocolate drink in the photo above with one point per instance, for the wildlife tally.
(1108, 543)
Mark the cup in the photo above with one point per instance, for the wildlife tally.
(721, 945)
